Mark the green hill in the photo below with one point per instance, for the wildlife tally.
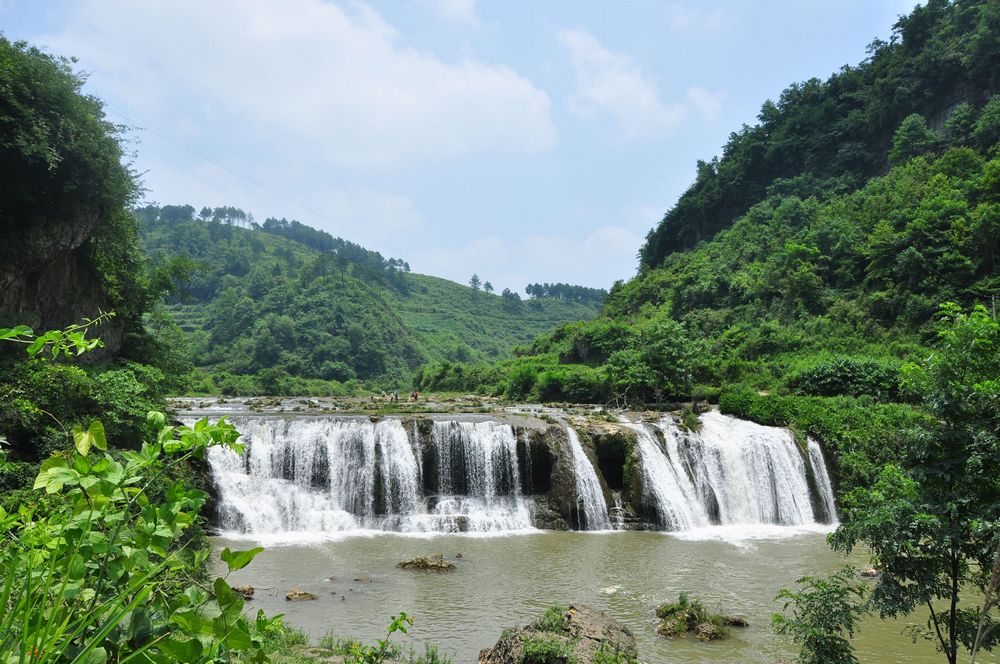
(805, 267)
(283, 308)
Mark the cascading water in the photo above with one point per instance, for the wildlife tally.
(729, 472)
(823, 485)
(666, 485)
(476, 484)
(590, 498)
(323, 475)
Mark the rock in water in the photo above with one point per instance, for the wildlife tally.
(435, 562)
(297, 595)
(246, 592)
(587, 634)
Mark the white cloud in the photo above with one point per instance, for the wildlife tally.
(458, 11)
(706, 101)
(596, 259)
(611, 84)
(681, 17)
(304, 79)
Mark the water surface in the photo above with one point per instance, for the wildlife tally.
(508, 580)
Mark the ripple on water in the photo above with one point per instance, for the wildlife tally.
(506, 581)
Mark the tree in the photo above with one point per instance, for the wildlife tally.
(825, 615)
(488, 287)
(987, 130)
(932, 522)
(63, 185)
(912, 138)
(959, 125)
(511, 300)
(474, 282)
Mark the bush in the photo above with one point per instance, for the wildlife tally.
(102, 569)
(848, 376)
(553, 620)
(538, 650)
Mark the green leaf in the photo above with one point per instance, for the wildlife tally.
(239, 638)
(238, 559)
(224, 595)
(82, 440)
(96, 432)
(192, 622)
(96, 656)
(156, 420)
(182, 651)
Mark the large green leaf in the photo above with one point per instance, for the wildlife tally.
(239, 559)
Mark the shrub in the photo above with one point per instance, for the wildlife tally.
(848, 376)
(103, 568)
(538, 650)
(553, 620)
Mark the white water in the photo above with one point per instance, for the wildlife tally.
(822, 480)
(323, 475)
(320, 476)
(478, 482)
(730, 472)
(590, 498)
(665, 484)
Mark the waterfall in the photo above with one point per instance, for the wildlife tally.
(729, 472)
(476, 485)
(322, 475)
(666, 486)
(329, 475)
(823, 484)
(590, 498)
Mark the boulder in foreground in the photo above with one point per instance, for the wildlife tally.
(576, 634)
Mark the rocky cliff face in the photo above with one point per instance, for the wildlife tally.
(48, 280)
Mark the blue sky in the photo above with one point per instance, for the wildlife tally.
(524, 141)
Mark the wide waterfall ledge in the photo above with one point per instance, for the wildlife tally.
(307, 477)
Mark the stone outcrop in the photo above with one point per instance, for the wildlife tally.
(582, 635)
(436, 563)
(297, 595)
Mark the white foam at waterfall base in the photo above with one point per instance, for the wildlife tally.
(590, 496)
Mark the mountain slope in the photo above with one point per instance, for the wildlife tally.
(795, 295)
(283, 301)
(829, 137)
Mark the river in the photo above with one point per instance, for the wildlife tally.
(508, 580)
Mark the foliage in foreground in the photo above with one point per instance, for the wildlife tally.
(932, 519)
(101, 573)
(825, 617)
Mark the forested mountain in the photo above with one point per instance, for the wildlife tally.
(823, 138)
(811, 257)
(279, 307)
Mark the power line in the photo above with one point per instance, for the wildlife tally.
(218, 164)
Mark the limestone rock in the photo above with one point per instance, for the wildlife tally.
(587, 632)
(435, 562)
(297, 595)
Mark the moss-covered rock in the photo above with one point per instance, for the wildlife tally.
(689, 616)
(576, 634)
(436, 563)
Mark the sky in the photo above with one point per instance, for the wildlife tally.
(523, 141)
